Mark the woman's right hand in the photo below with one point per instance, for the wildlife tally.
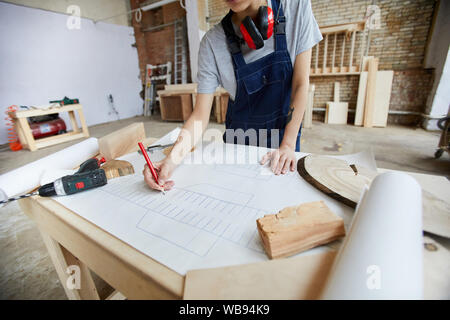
(164, 169)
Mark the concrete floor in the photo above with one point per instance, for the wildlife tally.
(26, 269)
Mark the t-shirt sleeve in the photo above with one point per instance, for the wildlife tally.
(308, 30)
(208, 73)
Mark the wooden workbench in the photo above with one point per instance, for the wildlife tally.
(72, 240)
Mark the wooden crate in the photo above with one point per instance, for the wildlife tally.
(176, 107)
(26, 137)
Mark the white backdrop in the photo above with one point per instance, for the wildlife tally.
(42, 60)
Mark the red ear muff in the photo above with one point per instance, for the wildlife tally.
(251, 34)
(265, 22)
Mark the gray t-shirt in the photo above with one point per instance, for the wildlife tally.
(215, 66)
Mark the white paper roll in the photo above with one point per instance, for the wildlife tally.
(381, 257)
(28, 177)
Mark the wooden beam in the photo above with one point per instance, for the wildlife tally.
(334, 53)
(325, 53)
(342, 53)
(345, 27)
(352, 51)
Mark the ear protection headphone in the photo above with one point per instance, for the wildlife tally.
(255, 32)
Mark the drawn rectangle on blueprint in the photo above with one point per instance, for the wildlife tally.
(208, 219)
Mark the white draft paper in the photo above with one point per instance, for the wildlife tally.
(208, 219)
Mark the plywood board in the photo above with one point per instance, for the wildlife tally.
(336, 113)
(295, 278)
(361, 100)
(382, 97)
(369, 108)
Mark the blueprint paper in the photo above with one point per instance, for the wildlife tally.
(208, 219)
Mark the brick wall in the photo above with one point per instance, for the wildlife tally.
(400, 45)
(156, 46)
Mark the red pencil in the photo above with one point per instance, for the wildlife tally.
(150, 164)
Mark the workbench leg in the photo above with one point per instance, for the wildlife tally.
(84, 126)
(26, 130)
(62, 259)
(73, 121)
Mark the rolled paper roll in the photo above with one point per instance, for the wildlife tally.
(381, 258)
(27, 177)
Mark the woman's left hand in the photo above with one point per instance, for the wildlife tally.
(282, 160)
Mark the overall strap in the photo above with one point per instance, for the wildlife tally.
(234, 44)
(280, 26)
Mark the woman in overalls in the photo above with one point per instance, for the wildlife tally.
(261, 54)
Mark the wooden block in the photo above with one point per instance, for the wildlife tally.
(297, 229)
(383, 92)
(121, 142)
(336, 113)
(369, 107)
(337, 91)
(117, 168)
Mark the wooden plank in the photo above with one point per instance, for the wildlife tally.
(333, 59)
(299, 228)
(60, 138)
(73, 121)
(369, 107)
(40, 112)
(335, 74)
(126, 269)
(343, 52)
(121, 142)
(25, 127)
(344, 27)
(307, 118)
(337, 91)
(176, 87)
(84, 127)
(295, 278)
(352, 50)
(317, 57)
(360, 102)
(325, 55)
(382, 97)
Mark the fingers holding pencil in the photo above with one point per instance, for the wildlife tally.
(163, 176)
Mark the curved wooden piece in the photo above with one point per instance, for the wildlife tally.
(335, 177)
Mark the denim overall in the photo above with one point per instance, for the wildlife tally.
(263, 92)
